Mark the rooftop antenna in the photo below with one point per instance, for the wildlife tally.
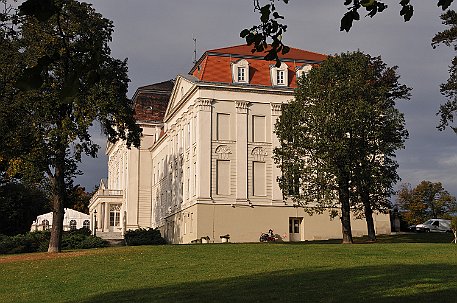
(195, 49)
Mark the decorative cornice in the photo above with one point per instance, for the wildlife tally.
(276, 109)
(242, 107)
(204, 104)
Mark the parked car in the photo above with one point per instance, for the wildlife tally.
(435, 225)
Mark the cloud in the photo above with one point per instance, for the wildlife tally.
(156, 36)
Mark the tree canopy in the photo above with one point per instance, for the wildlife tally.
(20, 204)
(448, 37)
(338, 137)
(427, 200)
(271, 27)
(58, 76)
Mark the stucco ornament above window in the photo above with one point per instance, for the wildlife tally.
(223, 152)
(240, 71)
(259, 154)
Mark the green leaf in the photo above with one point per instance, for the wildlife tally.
(445, 4)
(407, 12)
(346, 22)
(265, 13)
(244, 33)
(277, 16)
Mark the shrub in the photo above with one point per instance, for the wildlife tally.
(144, 237)
(82, 231)
(29, 242)
(39, 241)
(74, 240)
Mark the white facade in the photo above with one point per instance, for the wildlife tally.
(206, 170)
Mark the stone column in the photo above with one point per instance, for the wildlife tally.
(204, 112)
(276, 195)
(106, 217)
(242, 151)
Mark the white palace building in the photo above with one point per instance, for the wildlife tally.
(204, 168)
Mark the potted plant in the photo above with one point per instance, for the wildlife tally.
(225, 238)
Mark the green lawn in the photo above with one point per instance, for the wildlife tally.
(307, 272)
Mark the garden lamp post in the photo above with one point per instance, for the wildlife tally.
(95, 222)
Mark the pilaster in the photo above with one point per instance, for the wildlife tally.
(204, 113)
(241, 151)
(276, 194)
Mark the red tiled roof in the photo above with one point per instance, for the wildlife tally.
(215, 65)
(293, 54)
(150, 101)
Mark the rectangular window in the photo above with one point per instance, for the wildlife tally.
(241, 74)
(188, 134)
(258, 179)
(223, 177)
(195, 178)
(172, 145)
(182, 189)
(280, 77)
(294, 225)
(294, 185)
(114, 215)
(223, 126)
(188, 184)
(194, 129)
(258, 128)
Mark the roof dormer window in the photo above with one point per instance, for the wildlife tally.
(303, 70)
(279, 75)
(241, 74)
(240, 71)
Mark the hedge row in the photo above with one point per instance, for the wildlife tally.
(144, 237)
(77, 239)
(39, 241)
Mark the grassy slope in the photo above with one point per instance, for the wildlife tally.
(386, 272)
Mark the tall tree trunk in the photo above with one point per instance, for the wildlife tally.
(58, 196)
(368, 215)
(343, 193)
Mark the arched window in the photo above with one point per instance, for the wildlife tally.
(45, 224)
(73, 225)
(86, 224)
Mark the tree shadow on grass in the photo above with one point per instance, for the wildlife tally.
(398, 238)
(403, 283)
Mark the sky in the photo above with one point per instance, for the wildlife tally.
(157, 38)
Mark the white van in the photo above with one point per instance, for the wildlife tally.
(435, 225)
